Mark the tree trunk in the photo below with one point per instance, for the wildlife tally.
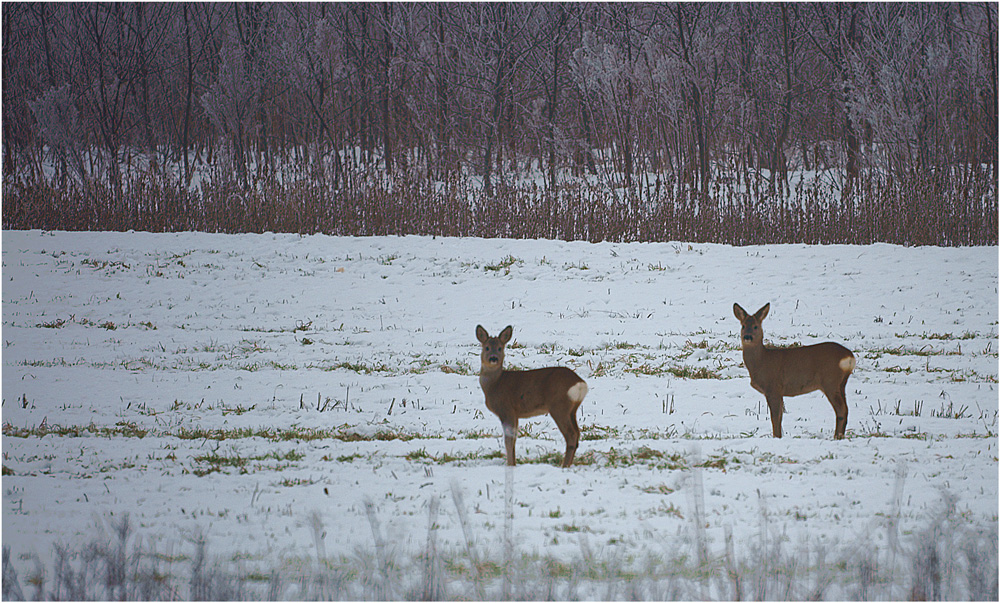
(628, 105)
(143, 61)
(698, 109)
(387, 88)
(186, 126)
(444, 166)
(991, 98)
(499, 78)
(850, 131)
(554, 95)
(779, 168)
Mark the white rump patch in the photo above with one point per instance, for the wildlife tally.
(577, 392)
(847, 364)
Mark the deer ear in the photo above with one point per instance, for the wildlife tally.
(740, 313)
(481, 334)
(506, 334)
(762, 313)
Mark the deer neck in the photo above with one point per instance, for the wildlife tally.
(753, 356)
(489, 376)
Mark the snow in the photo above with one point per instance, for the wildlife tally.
(286, 336)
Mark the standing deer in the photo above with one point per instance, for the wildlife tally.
(513, 395)
(777, 373)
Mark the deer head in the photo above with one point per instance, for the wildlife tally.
(492, 356)
(751, 333)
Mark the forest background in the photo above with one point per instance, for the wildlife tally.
(736, 123)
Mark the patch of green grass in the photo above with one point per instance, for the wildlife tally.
(897, 369)
(121, 429)
(415, 455)
(697, 345)
(289, 482)
(360, 368)
(689, 372)
(102, 264)
(614, 457)
(484, 570)
(598, 432)
(716, 462)
(220, 434)
(128, 429)
(682, 372)
(214, 462)
(504, 264)
(237, 410)
(299, 326)
(460, 367)
(446, 457)
(290, 434)
(671, 509)
(54, 324)
(770, 457)
(926, 350)
(345, 458)
(62, 362)
(553, 458)
(941, 336)
(621, 345)
(974, 436)
(658, 489)
(477, 434)
(648, 370)
(601, 370)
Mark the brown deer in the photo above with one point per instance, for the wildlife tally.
(513, 395)
(777, 373)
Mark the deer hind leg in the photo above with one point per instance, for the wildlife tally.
(570, 430)
(838, 399)
(776, 404)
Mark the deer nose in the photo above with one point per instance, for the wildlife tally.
(494, 359)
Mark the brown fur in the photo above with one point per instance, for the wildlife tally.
(777, 373)
(513, 395)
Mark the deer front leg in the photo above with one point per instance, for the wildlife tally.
(509, 437)
(776, 404)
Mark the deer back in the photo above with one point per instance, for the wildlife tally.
(526, 394)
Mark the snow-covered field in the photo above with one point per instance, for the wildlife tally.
(251, 388)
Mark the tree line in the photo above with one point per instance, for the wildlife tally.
(633, 99)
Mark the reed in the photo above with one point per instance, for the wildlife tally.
(922, 209)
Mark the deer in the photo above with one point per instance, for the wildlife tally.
(513, 395)
(780, 372)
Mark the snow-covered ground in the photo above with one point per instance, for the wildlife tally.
(241, 387)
